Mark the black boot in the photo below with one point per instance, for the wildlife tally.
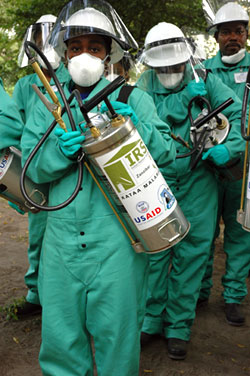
(28, 309)
(234, 315)
(201, 302)
(177, 348)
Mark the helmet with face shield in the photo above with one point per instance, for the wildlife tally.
(88, 17)
(171, 55)
(38, 34)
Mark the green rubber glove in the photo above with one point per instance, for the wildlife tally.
(122, 109)
(14, 206)
(196, 88)
(218, 154)
(69, 142)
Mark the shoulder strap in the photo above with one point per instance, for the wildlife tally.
(125, 93)
(202, 70)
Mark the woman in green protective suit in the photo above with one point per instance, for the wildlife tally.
(92, 284)
(26, 98)
(175, 276)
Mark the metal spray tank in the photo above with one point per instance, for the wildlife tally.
(10, 172)
(132, 179)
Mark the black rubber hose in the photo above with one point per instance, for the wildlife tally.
(31, 156)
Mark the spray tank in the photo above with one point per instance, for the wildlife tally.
(134, 183)
(210, 128)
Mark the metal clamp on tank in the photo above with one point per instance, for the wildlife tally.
(131, 178)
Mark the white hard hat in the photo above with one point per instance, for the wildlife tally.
(47, 18)
(92, 21)
(230, 12)
(90, 17)
(165, 45)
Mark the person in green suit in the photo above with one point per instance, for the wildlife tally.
(173, 78)
(26, 99)
(231, 65)
(92, 284)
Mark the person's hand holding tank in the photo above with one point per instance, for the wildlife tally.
(122, 109)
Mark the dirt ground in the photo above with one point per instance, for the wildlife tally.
(216, 348)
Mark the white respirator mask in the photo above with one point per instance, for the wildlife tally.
(234, 59)
(170, 80)
(85, 69)
(52, 57)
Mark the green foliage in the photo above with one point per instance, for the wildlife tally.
(140, 16)
(10, 311)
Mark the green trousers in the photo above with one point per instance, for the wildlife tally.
(236, 246)
(176, 274)
(93, 293)
(37, 224)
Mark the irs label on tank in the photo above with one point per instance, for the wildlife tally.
(137, 181)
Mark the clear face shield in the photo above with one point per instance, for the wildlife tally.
(210, 7)
(125, 67)
(91, 17)
(174, 62)
(37, 34)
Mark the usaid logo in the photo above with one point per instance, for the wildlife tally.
(142, 207)
(148, 216)
(4, 161)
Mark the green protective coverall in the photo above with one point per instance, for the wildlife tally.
(26, 99)
(11, 125)
(175, 275)
(91, 281)
(236, 240)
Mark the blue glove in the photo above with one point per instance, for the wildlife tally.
(123, 109)
(69, 142)
(218, 154)
(196, 88)
(14, 206)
